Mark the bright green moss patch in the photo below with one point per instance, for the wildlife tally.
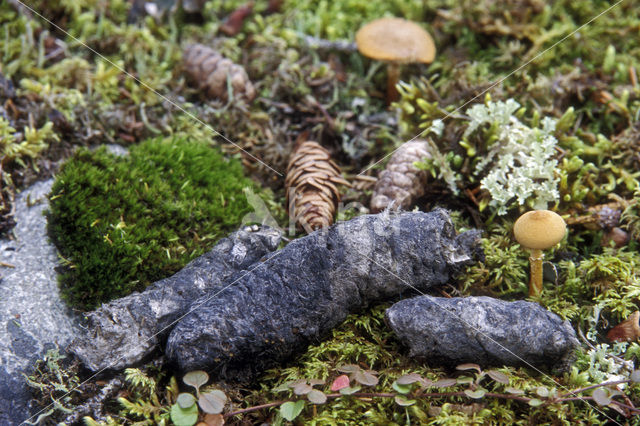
(125, 222)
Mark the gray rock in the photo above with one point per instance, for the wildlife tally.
(296, 297)
(33, 318)
(483, 330)
(122, 332)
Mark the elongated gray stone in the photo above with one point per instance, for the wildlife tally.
(303, 291)
(122, 332)
(33, 317)
(483, 330)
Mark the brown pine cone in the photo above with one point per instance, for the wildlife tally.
(312, 194)
(210, 70)
(401, 182)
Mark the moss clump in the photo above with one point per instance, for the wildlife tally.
(123, 222)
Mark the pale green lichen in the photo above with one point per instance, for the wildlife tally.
(519, 161)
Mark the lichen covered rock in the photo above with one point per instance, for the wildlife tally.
(300, 293)
(483, 330)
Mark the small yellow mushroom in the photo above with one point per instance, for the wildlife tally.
(538, 230)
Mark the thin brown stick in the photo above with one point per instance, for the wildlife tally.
(590, 398)
(559, 399)
(579, 390)
(255, 408)
(378, 395)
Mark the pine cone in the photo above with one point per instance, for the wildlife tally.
(210, 70)
(312, 195)
(401, 181)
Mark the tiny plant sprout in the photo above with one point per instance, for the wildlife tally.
(538, 230)
(395, 41)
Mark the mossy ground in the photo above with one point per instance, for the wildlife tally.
(588, 82)
(123, 222)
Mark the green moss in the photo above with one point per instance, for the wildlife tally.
(123, 222)
(341, 19)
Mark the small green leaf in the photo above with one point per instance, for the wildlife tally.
(408, 379)
(498, 376)
(635, 376)
(212, 402)
(403, 401)
(404, 389)
(196, 378)
(514, 391)
(475, 394)
(469, 366)
(445, 383)
(186, 400)
(302, 388)
(295, 383)
(350, 390)
(284, 387)
(534, 402)
(317, 397)
(365, 378)
(426, 383)
(463, 380)
(542, 391)
(348, 368)
(184, 416)
(290, 410)
(601, 396)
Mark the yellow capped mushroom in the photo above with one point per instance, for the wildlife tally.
(395, 41)
(538, 230)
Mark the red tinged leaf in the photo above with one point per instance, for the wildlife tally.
(233, 24)
(627, 331)
(340, 382)
(274, 6)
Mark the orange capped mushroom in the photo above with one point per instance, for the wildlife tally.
(538, 230)
(395, 41)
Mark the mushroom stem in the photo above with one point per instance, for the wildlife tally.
(393, 76)
(535, 283)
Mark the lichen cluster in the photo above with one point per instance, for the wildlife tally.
(486, 106)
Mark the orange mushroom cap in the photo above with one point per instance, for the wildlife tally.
(539, 229)
(395, 40)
